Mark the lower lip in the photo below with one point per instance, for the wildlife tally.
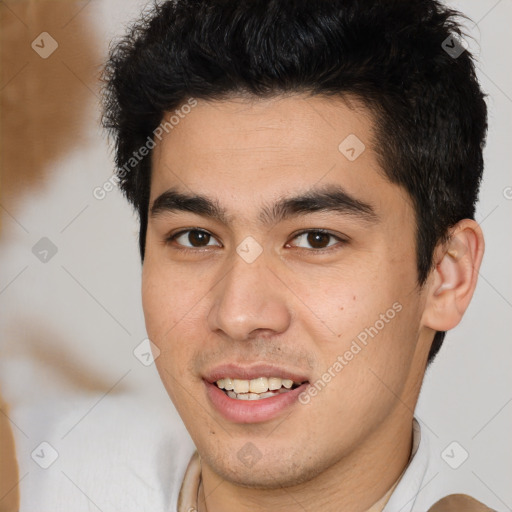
(251, 411)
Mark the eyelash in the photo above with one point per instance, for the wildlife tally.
(173, 237)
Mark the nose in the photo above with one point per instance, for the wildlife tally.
(249, 301)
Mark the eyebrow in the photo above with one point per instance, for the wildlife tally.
(330, 198)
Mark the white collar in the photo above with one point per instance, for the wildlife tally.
(406, 492)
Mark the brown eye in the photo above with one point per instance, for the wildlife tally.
(194, 238)
(318, 239)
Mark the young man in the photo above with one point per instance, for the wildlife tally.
(305, 173)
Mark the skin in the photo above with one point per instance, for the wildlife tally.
(295, 306)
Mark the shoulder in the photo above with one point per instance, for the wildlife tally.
(459, 503)
(123, 452)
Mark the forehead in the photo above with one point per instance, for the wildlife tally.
(242, 150)
(276, 128)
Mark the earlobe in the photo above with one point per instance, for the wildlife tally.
(455, 275)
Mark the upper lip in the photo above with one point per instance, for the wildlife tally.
(238, 371)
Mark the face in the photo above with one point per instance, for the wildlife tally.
(298, 263)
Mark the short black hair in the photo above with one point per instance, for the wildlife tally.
(403, 59)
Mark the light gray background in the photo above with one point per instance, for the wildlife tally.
(76, 319)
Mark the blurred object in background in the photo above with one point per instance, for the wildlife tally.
(46, 59)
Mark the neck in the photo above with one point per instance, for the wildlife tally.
(356, 483)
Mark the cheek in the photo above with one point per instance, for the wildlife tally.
(370, 369)
(347, 299)
(162, 320)
(174, 301)
(155, 295)
(164, 312)
(373, 315)
(170, 295)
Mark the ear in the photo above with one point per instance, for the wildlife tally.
(454, 277)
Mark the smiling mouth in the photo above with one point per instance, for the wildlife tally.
(256, 389)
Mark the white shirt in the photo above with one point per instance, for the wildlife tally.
(130, 455)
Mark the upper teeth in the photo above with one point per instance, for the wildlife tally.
(259, 385)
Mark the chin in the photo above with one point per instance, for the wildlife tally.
(271, 471)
